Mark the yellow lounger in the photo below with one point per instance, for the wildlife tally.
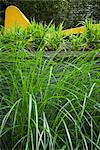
(78, 30)
(15, 18)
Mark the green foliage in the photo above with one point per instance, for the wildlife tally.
(76, 42)
(88, 40)
(92, 34)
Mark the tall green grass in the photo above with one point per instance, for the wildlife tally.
(47, 103)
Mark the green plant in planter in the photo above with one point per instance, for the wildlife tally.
(88, 40)
(35, 36)
(91, 36)
(54, 37)
(51, 38)
(76, 42)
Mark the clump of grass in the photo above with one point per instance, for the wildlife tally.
(76, 42)
(47, 102)
(88, 40)
(92, 35)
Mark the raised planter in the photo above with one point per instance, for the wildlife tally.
(68, 53)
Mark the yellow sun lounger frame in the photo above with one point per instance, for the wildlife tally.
(15, 18)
